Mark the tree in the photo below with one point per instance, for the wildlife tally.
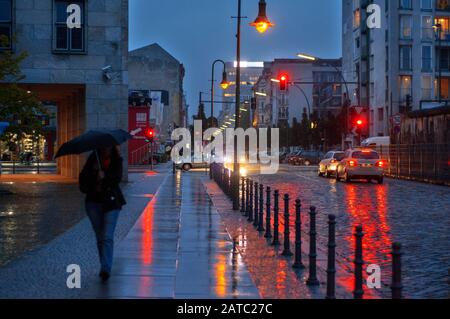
(20, 108)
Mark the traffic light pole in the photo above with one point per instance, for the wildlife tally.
(235, 183)
(151, 155)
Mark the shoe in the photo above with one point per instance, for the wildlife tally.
(104, 275)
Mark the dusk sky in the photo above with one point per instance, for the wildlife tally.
(196, 32)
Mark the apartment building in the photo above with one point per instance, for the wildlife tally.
(319, 91)
(400, 67)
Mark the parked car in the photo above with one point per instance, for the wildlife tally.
(291, 158)
(376, 141)
(361, 164)
(329, 163)
(308, 158)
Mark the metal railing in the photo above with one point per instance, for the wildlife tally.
(140, 155)
(17, 167)
(420, 162)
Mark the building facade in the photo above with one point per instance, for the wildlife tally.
(82, 71)
(153, 69)
(401, 67)
(319, 91)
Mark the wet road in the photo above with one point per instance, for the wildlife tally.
(33, 214)
(414, 214)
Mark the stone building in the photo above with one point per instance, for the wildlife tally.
(153, 68)
(83, 71)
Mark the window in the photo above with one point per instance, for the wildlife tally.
(405, 57)
(5, 24)
(405, 26)
(356, 19)
(405, 4)
(67, 40)
(405, 87)
(425, 4)
(426, 58)
(426, 87)
(380, 114)
(427, 28)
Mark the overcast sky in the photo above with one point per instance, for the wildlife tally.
(196, 32)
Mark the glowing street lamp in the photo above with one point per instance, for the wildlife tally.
(262, 23)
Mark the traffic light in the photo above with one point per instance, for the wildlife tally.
(360, 124)
(284, 82)
(149, 135)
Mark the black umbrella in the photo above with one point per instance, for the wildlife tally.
(93, 140)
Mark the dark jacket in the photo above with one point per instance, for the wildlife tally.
(106, 191)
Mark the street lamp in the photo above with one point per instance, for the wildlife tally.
(261, 24)
(438, 30)
(224, 85)
(313, 58)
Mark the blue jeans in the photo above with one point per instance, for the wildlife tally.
(104, 225)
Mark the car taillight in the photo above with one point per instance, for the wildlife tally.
(352, 163)
(380, 164)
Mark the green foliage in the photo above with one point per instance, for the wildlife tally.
(18, 107)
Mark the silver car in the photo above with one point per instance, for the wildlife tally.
(361, 164)
(328, 165)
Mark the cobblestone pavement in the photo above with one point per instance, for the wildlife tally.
(416, 215)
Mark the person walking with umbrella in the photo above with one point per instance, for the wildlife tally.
(100, 181)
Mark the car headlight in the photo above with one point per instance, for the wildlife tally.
(243, 171)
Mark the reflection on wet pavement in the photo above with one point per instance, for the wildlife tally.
(35, 213)
(178, 249)
(414, 214)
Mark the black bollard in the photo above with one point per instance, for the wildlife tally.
(247, 194)
(256, 206)
(268, 233)
(287, 241)
(242, 194)
(298, 236)
(312, 280)
(250, 200)
(261, 209)
(396, 286)
(276, 210)
(359, 262)
(331, 267)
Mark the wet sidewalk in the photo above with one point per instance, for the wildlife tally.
(179, 248)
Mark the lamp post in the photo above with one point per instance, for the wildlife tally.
(224, 85)
(262, 24)
(438, 29)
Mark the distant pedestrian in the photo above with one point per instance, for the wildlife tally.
(99, 180)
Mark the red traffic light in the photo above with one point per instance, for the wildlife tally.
(150, 134)
(360, 122)
(284, 81)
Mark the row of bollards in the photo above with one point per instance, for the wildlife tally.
(253, 207)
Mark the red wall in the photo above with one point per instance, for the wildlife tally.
(138, 117)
